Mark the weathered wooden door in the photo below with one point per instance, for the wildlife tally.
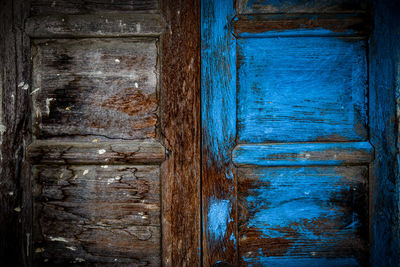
(286, 141)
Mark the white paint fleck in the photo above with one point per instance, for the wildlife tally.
(138, 27)
(68, 108)
(11, 193)
(117, 60)
(136, 85)
(110, 180)
(62, 20)
(48, 101)
(58, 74)
(2, 128)
(122, 25)
(307, 193)
(104, 166)
(34, 91)
(39, 250)
(21, 84)
(17, 209)
(102, 151)
(59, 239)
(85, 172)
(25, 87)
(308, 155)
(79, 259)
(118, 178)
(71, 248)
(95, 140)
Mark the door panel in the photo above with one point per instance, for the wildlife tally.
(300, 149)
(298, 89)
(303, 215)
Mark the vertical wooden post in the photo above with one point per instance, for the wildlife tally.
(384, 122)
(180, 129)
(218, 105)
(15, 182)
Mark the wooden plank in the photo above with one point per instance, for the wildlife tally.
(301, 6)
(296, 89)
(95, 87)
(95, 25)
(218, 106)
(100, 152)
(46, 7)
(180, 126)
(15, 129)
(384, 113)
(303, 216)
(302, 154)
(97, 215)
(301, 24)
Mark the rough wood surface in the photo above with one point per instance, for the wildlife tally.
(98, 25)
(95, 87)
(384, 110)
(46, 7)
(307, 216)
(117, 152)
(301, 6)
(218, 104)
(333, 24)
(303, 154)
(15, 110)
(301, 89)
(180, 126)
(92, 215)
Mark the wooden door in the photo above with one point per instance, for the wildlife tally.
(286, 141)
(115, 149)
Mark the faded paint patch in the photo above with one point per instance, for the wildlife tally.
(218, 217)
(59, 239)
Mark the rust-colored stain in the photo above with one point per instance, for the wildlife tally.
(131, 102)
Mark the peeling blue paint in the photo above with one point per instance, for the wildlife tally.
(218, 82)
(302, 89)
(314, 32)
(301, 262)
(218, 217)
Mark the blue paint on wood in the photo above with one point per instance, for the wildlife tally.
(218, 217)
(218, 107)
(302, 89)
(315, 32)
(218, 81)
(302, 154)
(302, 262)
(310, 210)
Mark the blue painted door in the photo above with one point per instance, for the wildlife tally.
(286, 149)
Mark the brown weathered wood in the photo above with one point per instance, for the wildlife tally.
(301, 6)
(98, 25)
(338, 24)
(100, 152)
(46, 7)
(180, 126)
(103, 87)
(15, 181)
(303, 214)
(97, 214)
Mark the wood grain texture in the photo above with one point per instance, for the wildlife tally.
(15, 109)
(95, 87)
(308, 216)
(116, 152)
(95, 25)
(384, 110)
(303, 154)
(297, 89)
(97, 215)
(180, 127)
(46, 7)
(218, 98)
(301, 6)
(257, 25)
